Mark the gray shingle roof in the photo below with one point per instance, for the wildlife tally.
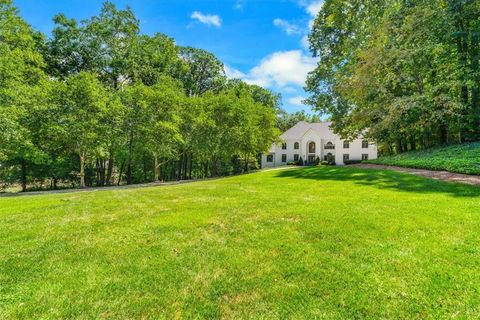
(298, 130)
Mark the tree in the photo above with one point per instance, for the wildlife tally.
(84, 105)
(399, 72)
(202, 71)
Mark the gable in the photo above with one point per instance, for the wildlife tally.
(321, 130)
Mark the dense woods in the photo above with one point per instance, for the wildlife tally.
(406, 70)
(98, 103)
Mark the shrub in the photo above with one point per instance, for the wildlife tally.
(324, 163)
(460, 158)
(317, 161)
(352, 161)
(300, 162)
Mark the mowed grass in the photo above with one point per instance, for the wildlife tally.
(301, 243)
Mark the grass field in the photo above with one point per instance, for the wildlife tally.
(325, 242)
(460, 158)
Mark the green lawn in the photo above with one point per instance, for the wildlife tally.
(326, 242)
(460, 158)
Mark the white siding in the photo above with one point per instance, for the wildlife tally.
(320, 134)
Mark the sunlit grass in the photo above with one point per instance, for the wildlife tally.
(324, 242)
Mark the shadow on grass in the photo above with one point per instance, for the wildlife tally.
(382, 179)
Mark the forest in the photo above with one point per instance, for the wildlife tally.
(404, 72)
(98, 103)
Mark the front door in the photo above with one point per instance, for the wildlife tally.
(311, 159)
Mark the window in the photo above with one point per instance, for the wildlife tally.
(364, 156)
(284, 158)
(365, 144)
(330, 157)
(311, 147)
(295, 157)
(270, 158)
(329, 145)
(346, 144)
(284, 146)
(346, 157)
(296, 146)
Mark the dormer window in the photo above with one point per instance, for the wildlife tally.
(329, 145)
(284, 146)
(296, 146)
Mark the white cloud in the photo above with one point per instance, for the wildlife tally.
(233, 73)
(314, 7)
(282, 69)
(296, 101)
(286, 26)
(208, 19)
(290, 90)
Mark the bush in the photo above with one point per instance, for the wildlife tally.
(292, 163)
(317, 161)
(352, 161)
(324, 163)
(460, 158)
(300, 162)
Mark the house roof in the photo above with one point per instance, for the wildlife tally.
(298, 130)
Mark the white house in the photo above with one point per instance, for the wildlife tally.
(311, 140)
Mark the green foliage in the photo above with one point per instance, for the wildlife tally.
(98, 104)
(462, 158)
(287, 120)
(405, 73)
(347, 162)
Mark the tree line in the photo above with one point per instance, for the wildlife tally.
(405, 71)
(98, 103)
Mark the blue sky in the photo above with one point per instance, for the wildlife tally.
(260, 41)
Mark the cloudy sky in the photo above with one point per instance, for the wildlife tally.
(260, 41)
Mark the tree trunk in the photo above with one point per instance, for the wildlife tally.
(399, 147)
(413, 144)
(443, 134)
(156, 169)
(82, 170)
(122, 166)
(144, 160)
(205, 169)
(23, 173)
(190, 167)
(475, 56)
(97, 165)
(179, 168)
(185, 166)
(109, 170)
(129, 166)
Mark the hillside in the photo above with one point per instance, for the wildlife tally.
(461, 158)
(304, 243)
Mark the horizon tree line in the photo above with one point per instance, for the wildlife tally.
(98, 103)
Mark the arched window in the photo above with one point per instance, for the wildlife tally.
(365, 144)
(311, 147)
(329, 145)
(296, 146)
